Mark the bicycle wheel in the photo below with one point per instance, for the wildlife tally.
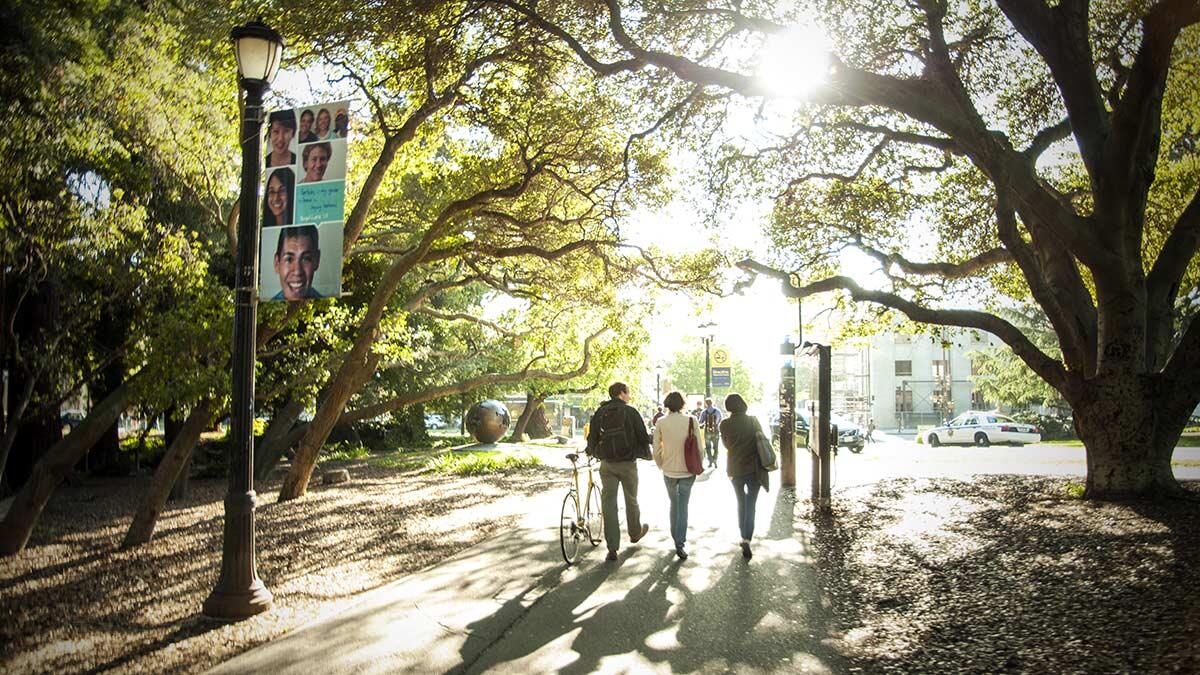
(594, 516)
(569, 532)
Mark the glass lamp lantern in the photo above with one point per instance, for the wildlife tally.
(258, 49)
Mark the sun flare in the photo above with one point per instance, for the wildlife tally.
(796, 61)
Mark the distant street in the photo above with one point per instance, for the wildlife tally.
(894, 456)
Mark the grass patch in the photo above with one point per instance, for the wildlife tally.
(1076, 490)
(1183, 442)
(399, 460)
(344, 451)
(481, 463)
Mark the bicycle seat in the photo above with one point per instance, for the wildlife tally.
(572, 456)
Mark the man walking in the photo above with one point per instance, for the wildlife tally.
(710, 419)
(617, 436)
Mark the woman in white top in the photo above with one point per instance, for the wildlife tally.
(669, 436)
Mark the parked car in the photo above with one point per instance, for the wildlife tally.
(850, 435)
(983, 429)
(70, 419)
(434, 421)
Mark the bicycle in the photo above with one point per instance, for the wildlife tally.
(581, 519)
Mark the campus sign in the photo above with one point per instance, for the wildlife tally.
(722, 377)
(304, 202)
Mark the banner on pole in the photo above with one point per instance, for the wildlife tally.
(304, 203)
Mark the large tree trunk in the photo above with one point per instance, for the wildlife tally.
(173, 464)
(53, 467)
(173, 427)
(539, 424)
(278, 438)
(531, 402)
(358, 366)
(1130, 436)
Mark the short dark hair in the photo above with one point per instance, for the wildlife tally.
(296, 232)
(617, 388)
(674, 401)
(734, 403)
(286, 118)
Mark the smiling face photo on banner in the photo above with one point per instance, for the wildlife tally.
(293, 266)
(279, 197)
(281, 131)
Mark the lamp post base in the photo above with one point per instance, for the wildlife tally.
(235, 606)
(239, 593)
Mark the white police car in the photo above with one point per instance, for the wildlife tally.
(983, 429)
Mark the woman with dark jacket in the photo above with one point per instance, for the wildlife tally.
(738, 432)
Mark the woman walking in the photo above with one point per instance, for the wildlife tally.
(669, 436)
(739, 432)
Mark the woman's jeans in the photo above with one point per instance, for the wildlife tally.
(746, 488)
(680, 491)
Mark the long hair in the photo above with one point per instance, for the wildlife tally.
(287, 180)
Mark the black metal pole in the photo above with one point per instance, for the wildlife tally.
(707, 369)
(658, 389)
(828, 440)
(239, 592)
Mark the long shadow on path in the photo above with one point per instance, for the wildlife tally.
(714, 612)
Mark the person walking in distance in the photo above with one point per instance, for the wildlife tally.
(670, 434)
(710, 418)
(617, 437)
(871, 431)
(739, 432)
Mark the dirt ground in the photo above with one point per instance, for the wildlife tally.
(997, 574)
(1010, 574)
(74, 602)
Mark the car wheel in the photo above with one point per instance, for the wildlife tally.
(981, 440)
(933, 440)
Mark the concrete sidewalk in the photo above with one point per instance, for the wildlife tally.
(510, 604)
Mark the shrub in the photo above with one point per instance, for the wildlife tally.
(1052, 427)
(480, 463)
(345, 450)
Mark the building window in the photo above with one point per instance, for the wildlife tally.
(904, 400)
(903, 339)
(941, 369)
(977, 401)
(904, 368)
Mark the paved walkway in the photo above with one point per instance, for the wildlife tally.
(509, 604)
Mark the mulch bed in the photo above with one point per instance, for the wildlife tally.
(74, 602)
(1010, 574)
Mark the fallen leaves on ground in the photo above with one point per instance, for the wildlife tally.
(74, 601)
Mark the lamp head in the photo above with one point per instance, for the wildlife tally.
(259, 49)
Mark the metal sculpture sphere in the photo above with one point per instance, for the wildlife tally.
(487, 421)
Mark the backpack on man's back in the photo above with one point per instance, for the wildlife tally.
(613, 441)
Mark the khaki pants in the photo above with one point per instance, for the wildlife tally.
(624, 474)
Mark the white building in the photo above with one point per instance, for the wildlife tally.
(905, 380)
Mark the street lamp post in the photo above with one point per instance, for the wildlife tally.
(658, 385)
(708, 338)
(239, 592)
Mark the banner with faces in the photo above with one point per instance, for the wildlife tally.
(304, 202)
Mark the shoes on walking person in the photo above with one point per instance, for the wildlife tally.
(680, 553)
(645, 529)
(612, 555)
(746, 550)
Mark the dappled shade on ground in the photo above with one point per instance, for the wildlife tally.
(139, 608)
